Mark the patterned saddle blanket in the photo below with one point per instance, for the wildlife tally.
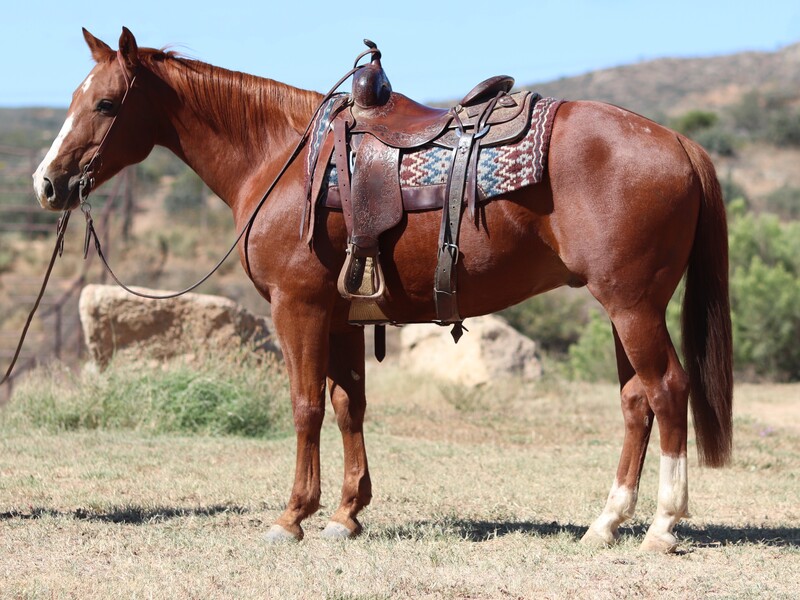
(424, 171)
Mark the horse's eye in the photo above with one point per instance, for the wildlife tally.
(105, 106)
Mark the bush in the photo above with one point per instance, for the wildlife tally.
(555, 319)
(219, 396)
(717, 140)
(732, 191)
(593, 357)
(766, 321)
(784, 202)
(783, 128)
(692, 122)
(765, 296)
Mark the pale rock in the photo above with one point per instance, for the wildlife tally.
(490, 350)
(117, 323)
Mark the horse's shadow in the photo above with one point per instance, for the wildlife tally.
(697, 536)
(128, 515)
(467, 529)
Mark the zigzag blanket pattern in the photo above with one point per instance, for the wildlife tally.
(501, 169)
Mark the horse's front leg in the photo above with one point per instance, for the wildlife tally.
(303, 332)
(346, 381)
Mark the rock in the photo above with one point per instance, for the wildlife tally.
(117, 323)
(491, 349)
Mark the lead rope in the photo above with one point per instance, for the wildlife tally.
(58, 250)
(86, 183)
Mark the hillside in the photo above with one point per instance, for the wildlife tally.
(669, 86)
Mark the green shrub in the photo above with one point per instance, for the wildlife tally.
(717, 140)
(694, 121)
(555, 319)
(593, 357)
(784, 202)
(217, 396)
(765, 296)
(783, 128)
(766, 321)
(732, 191)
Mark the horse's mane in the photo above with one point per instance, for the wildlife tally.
(238, 101)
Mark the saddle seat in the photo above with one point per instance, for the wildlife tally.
(403, 123)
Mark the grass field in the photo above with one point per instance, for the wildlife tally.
(477, 495)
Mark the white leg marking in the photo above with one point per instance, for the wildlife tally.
(620, 506)
(38, 176)
(673, 502)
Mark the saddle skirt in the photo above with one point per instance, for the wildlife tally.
(423, 171)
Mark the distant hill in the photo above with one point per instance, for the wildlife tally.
(668, 86)
(660, 89)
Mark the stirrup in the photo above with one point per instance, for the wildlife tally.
(352, 282)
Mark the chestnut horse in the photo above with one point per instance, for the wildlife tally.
(626, 207)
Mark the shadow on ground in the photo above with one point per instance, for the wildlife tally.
(699, 537)
(130, 515)
(465, 529)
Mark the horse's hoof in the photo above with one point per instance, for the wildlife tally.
(277, 534)
(595, 539)
(660, 543)
(337, 531)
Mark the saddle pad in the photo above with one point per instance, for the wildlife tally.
(501, 169)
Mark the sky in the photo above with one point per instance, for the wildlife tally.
(432, 50)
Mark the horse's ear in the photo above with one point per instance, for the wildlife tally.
(128, 48)
(100, 50)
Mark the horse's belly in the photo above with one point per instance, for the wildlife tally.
(502, 261)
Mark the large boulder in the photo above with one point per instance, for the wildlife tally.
(117, 323)
(490, 350)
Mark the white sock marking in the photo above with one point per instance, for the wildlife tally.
(673, 494)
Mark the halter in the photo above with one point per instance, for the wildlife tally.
(86, 182)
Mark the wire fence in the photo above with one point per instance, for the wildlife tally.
(56, 332)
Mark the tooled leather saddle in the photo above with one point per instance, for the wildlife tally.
(369, 129)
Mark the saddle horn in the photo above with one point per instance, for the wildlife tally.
(371, 87)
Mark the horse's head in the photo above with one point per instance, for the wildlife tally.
(107, 127)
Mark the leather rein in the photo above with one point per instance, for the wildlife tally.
(86, 183)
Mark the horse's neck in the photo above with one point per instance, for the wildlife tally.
(231, 128)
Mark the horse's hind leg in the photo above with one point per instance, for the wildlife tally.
(638, 418)
(346, 382)
(647, 344)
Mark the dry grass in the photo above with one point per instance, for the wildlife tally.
(477, 495)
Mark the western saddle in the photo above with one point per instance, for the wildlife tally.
(368, 131)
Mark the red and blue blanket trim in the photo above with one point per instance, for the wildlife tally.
(501, 169)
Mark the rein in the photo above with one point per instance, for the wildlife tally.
(86, 183)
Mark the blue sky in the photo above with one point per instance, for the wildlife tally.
(310, 44)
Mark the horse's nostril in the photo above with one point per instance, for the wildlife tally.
(49, 190)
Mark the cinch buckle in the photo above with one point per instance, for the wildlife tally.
(453, 249)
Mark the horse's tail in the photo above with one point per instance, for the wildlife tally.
(706, 319)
